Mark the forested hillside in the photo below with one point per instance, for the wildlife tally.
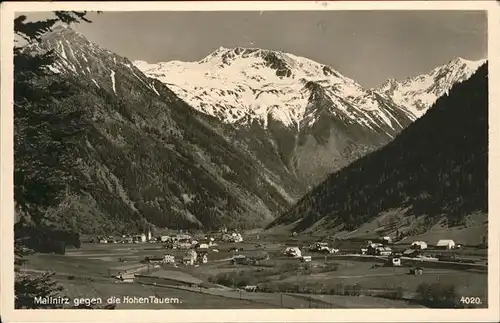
(436, 167)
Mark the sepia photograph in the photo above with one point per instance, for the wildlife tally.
(319, 159)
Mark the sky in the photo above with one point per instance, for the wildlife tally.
(367, 46)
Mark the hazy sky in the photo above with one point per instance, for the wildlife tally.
(367, 46)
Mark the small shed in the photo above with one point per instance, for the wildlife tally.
(396, 261)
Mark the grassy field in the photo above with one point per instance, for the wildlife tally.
(85, 272)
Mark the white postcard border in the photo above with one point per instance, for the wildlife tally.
(279, 315)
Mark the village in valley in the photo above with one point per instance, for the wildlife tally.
(231, 269)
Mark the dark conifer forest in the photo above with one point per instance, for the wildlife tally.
(438, 166)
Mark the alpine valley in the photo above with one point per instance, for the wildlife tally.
(235, 139)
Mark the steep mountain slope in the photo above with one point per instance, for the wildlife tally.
(418, 93)
(304, 114)
(435, 169)
(149, 157)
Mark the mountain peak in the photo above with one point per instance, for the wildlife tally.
(419, 92)
(460, 61)
(226, 54)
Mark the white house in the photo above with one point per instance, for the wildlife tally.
(143, 237)
(203, 246)
(445, 244)
(418, 245)
(306, 258)
(236, 237)
(164, 238)
(293, 252)
(169, 259)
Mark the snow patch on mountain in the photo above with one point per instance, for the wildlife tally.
(419, 93)
(96, 83)
(113, 81)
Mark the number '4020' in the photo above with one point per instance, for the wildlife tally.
(470, 300)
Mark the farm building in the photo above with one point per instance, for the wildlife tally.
(445, 244)
(306, 258)
(250, 288)
(320, 247)
(203, 245)
(190, 257)
(168, 258)
(386, 239)
(419, 245)
(165, 238)
(236, 237)
(182, 245)
(154, 260)
(129, 269)
(293, 252)
(202, 257)
(184, 237)
(127, 278)
(188, 261)
(383, 251)
(416, 271)
(170, 277)
(239, 259)
(411, 253)
(373, 248)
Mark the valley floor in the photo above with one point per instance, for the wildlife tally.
(283, 283)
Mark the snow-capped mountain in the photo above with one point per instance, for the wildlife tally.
(236, 84)
(419, 93)
(303, 114)
(79, 57)
(149, 156)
